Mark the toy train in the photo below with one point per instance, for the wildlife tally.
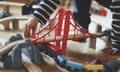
(13, 58)
(78, 67)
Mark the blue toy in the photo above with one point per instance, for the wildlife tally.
(61, 60)
(112, 66)
(74, 66)
(14, 57)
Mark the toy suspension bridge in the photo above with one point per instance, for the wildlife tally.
(58, 31)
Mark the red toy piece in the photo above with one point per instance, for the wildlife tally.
(57, 32)
(102, 12)
(97, 8)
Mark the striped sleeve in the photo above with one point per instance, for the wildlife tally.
(115, 34)
(45, 9)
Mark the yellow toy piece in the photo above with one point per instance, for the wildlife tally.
(118, 60)
(94, 68)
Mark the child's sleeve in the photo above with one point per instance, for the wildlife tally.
(45, 9)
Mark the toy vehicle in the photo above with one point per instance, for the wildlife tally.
(74, 66)
(61, 60)
(112, 66)
(94, 68)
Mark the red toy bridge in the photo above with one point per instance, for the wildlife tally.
(61, 28)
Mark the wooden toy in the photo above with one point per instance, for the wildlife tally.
(15, 22)
(74, 66)
(94, 68)
(14, 8)
(51, 61)
(29, 65)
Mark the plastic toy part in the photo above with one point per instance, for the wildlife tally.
(112, 66)
(51, 53)
(44, 47)
(102, 12)
(14, 57)
(74, 66)
(19, 36)
(61, 60)
(35, 55)
(94, 68)
(14, 38)
(96, 8)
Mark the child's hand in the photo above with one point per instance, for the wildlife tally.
(31, 27)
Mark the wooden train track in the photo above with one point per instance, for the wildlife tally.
(50, 61)
(30, 66)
